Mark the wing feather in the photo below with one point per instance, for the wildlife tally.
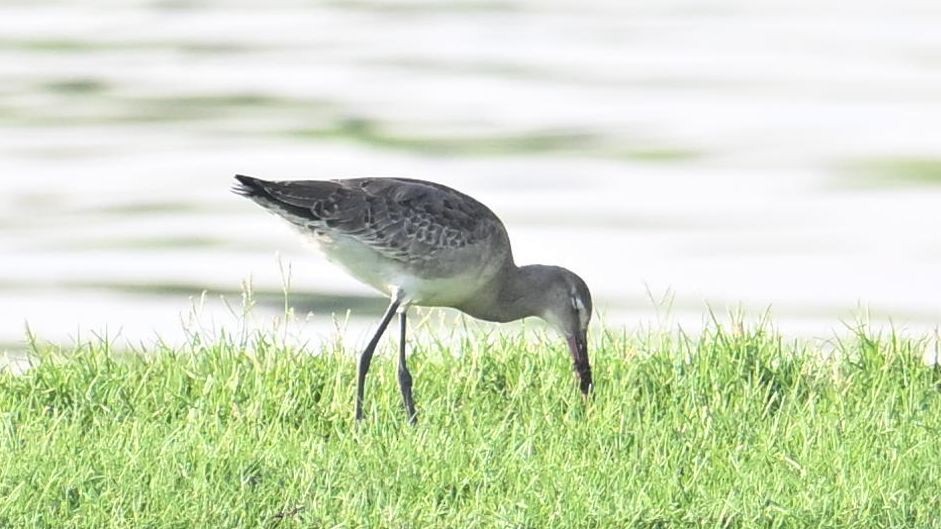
(401, 219)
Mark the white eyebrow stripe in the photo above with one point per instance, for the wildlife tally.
(578, 304)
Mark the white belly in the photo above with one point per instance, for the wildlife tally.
(389, 276)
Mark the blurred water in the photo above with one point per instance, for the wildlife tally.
(679, 153)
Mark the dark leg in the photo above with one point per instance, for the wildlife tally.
(405, 378)
(366, 359)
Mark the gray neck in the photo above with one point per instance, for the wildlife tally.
(515, 294)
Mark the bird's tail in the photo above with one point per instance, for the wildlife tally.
(248, 186)
(279, 198)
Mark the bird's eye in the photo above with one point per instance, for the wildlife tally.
(578, 305)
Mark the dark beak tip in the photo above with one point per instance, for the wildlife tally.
(578, 344)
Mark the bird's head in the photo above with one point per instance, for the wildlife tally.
(566, 306)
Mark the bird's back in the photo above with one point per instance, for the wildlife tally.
(393, 230)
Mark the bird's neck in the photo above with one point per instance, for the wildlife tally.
(514, 295)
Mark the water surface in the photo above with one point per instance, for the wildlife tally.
(678, 155)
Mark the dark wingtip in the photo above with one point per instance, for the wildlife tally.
(247, 187)
(246, 180)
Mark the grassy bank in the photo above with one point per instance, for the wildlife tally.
(734, 429)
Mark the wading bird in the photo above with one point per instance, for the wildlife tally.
(425, 244)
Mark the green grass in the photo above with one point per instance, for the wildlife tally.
(733, 429)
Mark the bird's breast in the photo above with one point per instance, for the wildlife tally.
(445, 282)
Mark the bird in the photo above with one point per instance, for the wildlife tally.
(425, 244)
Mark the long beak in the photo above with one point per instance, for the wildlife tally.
(578, 345)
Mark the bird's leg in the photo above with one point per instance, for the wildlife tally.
(405, 378)
(366, 359)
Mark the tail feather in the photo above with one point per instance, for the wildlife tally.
(265, 194)
(248, 186)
